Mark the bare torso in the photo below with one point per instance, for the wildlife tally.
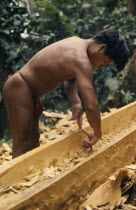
(65, 60)
(54, 64)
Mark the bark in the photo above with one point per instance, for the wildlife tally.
(31, 7)
(132, 7)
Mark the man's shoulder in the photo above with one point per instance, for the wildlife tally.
(72, 38)
(81, 66)
(81, 59)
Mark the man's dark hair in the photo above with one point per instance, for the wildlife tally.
(116, 49)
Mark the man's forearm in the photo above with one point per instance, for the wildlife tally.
(94, 119)
(72, 92)
(74, 98)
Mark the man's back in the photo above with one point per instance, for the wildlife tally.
(54, 64)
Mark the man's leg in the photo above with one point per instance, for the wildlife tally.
(34, 134)
(19, 102)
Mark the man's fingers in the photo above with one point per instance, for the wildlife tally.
(88, 142)
(80, 122)
(79, 125)
(87, 145)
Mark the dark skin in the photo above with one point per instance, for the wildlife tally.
(69, 61)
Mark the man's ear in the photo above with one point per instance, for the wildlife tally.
(102, 48)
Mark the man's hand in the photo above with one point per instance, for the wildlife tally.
(77, 114)
(92, 139)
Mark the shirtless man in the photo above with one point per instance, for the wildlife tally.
(69, 61)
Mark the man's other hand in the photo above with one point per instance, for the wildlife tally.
(77, 114)
(92, 139)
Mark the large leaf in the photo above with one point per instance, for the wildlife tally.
(112, 84)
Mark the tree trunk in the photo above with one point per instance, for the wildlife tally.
(31, 7)
(132, 7)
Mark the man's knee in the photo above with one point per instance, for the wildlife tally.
(34, 139)
(19, 148)
(35, 134)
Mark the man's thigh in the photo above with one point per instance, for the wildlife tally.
(19, 103)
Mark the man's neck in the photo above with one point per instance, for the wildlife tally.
(90, 44)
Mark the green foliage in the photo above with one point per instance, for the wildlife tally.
(13, 23)
(58, 19)
(115, 89)
(13, 17)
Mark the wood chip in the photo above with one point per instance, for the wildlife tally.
(29, 183)
(6, 147)
(128, 207)
(53, 114)
(131, 166)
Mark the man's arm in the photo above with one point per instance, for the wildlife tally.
(84, 77)
(72, 94)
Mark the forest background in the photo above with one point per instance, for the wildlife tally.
(26, 26)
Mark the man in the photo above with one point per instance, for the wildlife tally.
(69, 61)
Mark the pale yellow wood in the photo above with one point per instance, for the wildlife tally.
(84, 177)
(90, 173)
(59, 149)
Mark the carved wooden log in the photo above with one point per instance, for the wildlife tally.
(83, 177)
